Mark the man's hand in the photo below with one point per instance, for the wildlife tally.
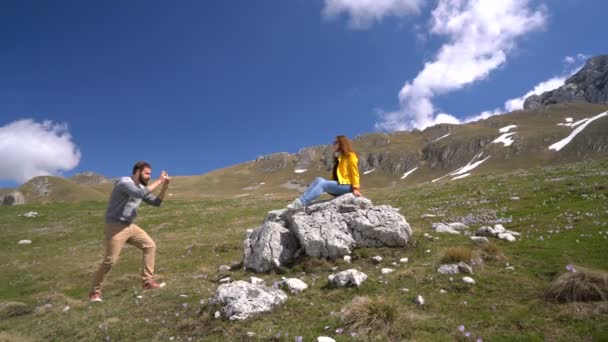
(164, 177)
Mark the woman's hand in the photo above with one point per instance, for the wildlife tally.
(356, 192)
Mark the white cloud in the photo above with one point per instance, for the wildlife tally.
(364, 13)
(574, 64)
(29, 149)
(480, 35)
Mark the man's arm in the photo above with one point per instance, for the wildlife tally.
(157, 200)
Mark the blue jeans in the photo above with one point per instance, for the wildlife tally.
(320, 185)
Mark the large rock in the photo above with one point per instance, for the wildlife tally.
(268, 246)
(13, 198)
(329, 229)
(332, 229)
(240, 300)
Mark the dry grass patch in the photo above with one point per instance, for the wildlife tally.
(579, 285)
(492, 252)
(367, 317)
(457, 254)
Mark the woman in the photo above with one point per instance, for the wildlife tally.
(345, 177)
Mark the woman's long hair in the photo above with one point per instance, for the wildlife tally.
(344, 145)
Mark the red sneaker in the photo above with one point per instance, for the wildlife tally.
(95, 297)
(153, 285)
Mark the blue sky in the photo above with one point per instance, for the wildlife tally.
(192, 86)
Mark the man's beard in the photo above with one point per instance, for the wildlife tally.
(142, 180)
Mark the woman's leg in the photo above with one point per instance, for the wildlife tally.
(319, 186)
(314, 190)
(335, 189)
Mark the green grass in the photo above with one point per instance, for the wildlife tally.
(195, 237)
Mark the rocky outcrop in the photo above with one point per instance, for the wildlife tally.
(305, 158)
(328, 229)
(274, 162)
(590, 84)
(13, 198)
(89, 178)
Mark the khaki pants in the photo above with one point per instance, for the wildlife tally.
(116, 235)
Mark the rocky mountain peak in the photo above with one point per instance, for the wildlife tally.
(590, 84)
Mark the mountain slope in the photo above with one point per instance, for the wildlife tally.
(46, 189)
(409, 158)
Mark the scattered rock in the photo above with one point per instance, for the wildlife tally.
(348, 277)
(498, 231)
(31, 214)
(294, 285)
(403, 260)
(24, 242)
(419, 300)
(240, 300)
(386, 270)
(448, 269)
(468, 280)
(377, 259)
(480, 240)
(450, 228)
(347, 258)
(325, 339)
(256, 281)
(224, 268)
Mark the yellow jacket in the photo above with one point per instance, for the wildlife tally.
(348, 170)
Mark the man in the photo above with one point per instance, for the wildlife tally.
(127, 195)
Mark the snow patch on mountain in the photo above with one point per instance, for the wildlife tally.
(505, 139)
(583, 124)
(409, 172)
(507, 128)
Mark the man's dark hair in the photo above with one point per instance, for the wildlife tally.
(141, 165)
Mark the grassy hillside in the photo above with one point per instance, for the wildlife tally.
(562, 213)
(46, 189)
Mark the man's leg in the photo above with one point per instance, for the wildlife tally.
(115, 237)
(140, 239)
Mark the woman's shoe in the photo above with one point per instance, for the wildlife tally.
(295, 205)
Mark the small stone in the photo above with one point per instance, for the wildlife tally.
(66, 309)
(325, 339)
(419, 300)
(250, 334)
(24, 242)
(468, 280)
(427, 251)
(224, 268)
(405, 290)
(377, 259)
(347, 258)
(217, 314)
(403, 260)
(442, 291)
(386, 270)
(256, 281)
